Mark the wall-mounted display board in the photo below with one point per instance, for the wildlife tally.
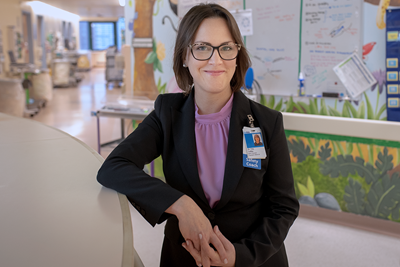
(331, 31)
(311, 36)
(274, 46)
(289, 36)
(392, 64)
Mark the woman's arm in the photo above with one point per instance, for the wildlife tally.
(123, 169)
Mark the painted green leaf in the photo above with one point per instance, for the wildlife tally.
(305, 107)
(334, 112)
(154, 46)
(324, 110)
(384, 162)
(381, 110)
(297, 108)
(151, 57)
(161, 89)
(303, 190)
(339, 146)
(299, 150)
(313, 107)
(263, 101)
(289, 105)
(361, 111)
(279, 105)
(325, 152)
(349, 148)
(271, 102)
(310, 187)
(353, 110)
(346, 111)
(370, 109)
(346, 165)
(354, 197)
(383, 197)
(158, 65)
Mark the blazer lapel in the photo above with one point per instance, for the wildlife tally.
(234, 158)
(185, 144)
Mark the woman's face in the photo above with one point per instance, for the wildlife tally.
(212, 76)
(257, 139)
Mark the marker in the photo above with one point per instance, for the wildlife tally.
(302, 91)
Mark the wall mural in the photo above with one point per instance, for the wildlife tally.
(343, 173)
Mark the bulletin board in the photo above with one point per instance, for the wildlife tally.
(311, 36)
(289, 36)
(274, 46)
(392, 64)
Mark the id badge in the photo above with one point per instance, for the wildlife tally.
(254, 143)
(248, 162)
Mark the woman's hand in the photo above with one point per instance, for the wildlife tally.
(215, 259)
(192, 224)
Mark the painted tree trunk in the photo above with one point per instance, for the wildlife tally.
(144, 83)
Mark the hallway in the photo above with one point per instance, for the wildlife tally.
(309, 243)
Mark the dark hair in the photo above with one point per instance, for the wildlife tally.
(188, 28)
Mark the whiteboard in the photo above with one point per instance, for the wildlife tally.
(274, 46)
(331, 31)
(289, 36)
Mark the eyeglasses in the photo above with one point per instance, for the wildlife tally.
(204, 51)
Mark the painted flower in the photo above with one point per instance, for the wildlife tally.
(160, 51)
(380, 77)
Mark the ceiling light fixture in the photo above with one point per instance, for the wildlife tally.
(44, 9)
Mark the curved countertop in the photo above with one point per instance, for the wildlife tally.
(52, 210)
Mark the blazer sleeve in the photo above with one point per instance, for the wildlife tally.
(280, 201)
(123, 169)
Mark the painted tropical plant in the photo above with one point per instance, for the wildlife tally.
(360, 186)
(383, 198)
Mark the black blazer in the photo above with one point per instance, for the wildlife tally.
(257, 207)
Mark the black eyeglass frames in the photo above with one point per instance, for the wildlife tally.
(228, 51)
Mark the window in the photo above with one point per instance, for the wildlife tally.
(97, 35)
(84, 35)
(103, 35)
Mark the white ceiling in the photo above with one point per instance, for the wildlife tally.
(89, 8)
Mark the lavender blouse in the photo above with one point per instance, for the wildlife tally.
(212, 142)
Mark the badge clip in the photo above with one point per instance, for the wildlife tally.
(251, 120)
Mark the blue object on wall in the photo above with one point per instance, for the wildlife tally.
(249, 78)
(392, 66)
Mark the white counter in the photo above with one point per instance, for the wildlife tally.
(373, 129)
(52, 210)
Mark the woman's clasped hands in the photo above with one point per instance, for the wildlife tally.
(196, 229)
(207, 256)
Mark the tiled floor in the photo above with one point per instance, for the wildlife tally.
(309, 243)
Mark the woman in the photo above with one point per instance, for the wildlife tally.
(219, 212)
(257, 140)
